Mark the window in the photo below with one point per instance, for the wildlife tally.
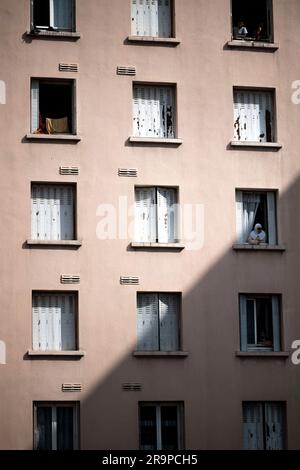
(54, 15)
(156, 217)
(260, 323)
(54, 321)
(254, 116)
(161, 426)
(154, 111)
(151, 18)
(53, 106)
(56, 426)
(158, 321)
(253, 207)
(52, 212)
(264, 425)
(252, 20)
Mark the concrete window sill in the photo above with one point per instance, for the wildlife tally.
(32, 353)
(178, 354)
(240, 43)
(166, 246)
(153, 40)
(283, 354)
(71, 137)
(247, 246)
(154, 140)
(44, 33)
(75, 243)
(258, 145)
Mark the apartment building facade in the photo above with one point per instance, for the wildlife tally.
(142, 141)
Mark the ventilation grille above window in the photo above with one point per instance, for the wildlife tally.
(68, 67)
(71, 387)
(127, 172)
(130, 387)
(68, 170)
(129, 280)
(70, 279)
(125, 70)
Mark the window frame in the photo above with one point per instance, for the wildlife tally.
(179, 320)
(34, 27)
(54, 405)
(238, 193)
(180, 421)
(174, 91)
(271, 40)
(73, 185)
(159, 37)
(72, 82)
(277, 330)
(75, 295)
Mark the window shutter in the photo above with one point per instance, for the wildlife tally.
(253, 426)
(167, 113)
(147, 322)
(35, 106)
(243, 322)
(272, 232)
(153, 18)
(239, 217)
(62, 14)
(145, 217)
(168, 322)
(276, 323)
(68, 340)
(274, 415)
(67, 212)
(164, 18)
(166, 214)
(35, 322)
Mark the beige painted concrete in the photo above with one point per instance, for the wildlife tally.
(212, 381)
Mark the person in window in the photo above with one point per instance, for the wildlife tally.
(240, 31)
(257, 236)
(259, 32)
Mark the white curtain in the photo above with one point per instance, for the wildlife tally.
(250, 205)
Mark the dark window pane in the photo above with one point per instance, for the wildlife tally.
(250, 322)
(255, 17)
(41, 13)
(261, 216)
(44, 428)
(148, 438)
(56, 103)
(169, 428)
(264, 323)
(65, 433)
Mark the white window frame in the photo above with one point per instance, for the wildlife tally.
(51, 18)
(161, 228)
(272, 219)
(54, 405)
(37, 312)
(276, 324)
(35, 101)
(180, 421)
(157, 296)
(264, 429)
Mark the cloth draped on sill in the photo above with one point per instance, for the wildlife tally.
(57, 126)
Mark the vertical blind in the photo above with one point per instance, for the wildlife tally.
(151, 18)
(153, 111)
(52, 212)
(158, 322)
(156, 215)
(253, 115)
(61, 14)
(54, 322)
(263, 425)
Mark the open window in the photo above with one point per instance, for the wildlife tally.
(152, 18)
(264, 425)
(161, 426)
(56, 425)
(154, 111)
(260, 324)
(256, 207)
(53, 106)
(252, 20)
(254, 115)
(57, 15)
